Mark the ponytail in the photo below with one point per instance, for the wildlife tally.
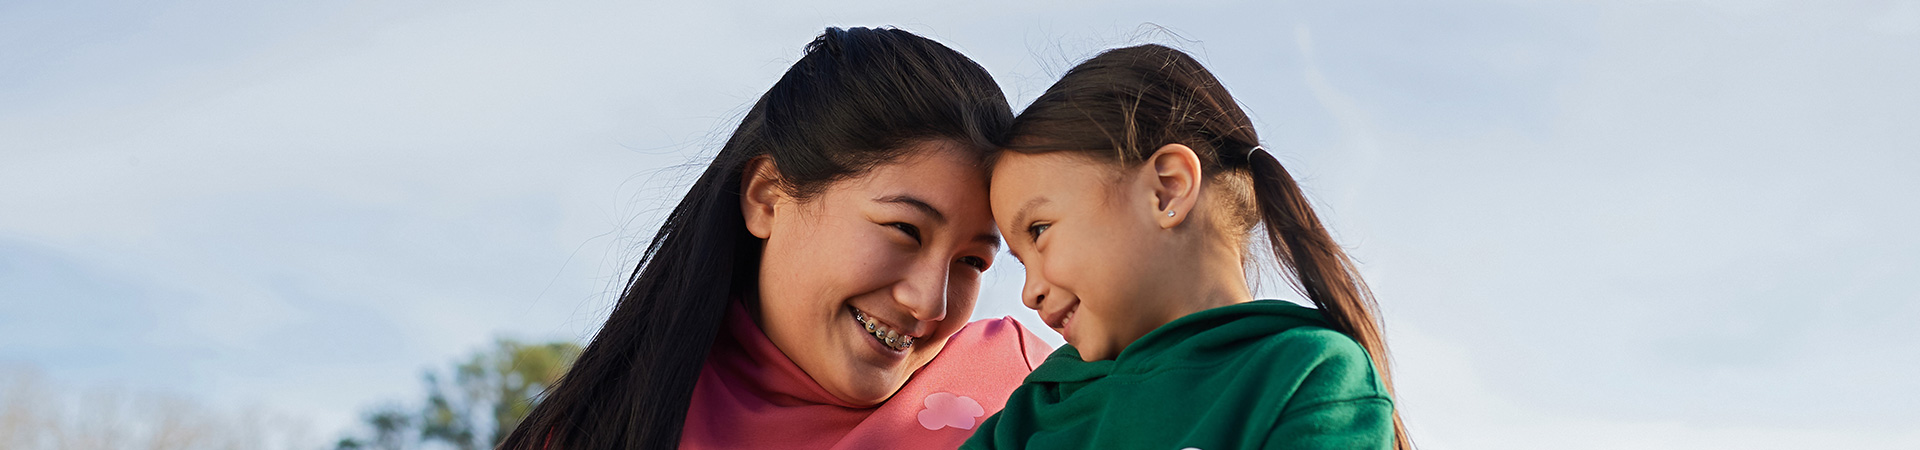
(1327, 277)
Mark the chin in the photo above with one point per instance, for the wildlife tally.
(870, 392)
(1093, 352)
(869, 382)
(866, 383)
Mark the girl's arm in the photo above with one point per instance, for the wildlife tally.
(1349, 424)
(1340, 404)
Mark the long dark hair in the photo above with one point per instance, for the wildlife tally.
(1124, 104)
(857, 99)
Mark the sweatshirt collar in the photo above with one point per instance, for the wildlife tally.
(1213, 330)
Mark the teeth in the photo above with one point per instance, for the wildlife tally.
(888, 336)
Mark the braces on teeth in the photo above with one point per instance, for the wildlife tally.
(892, 338)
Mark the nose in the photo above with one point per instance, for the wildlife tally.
(1034, 290)
(924, 292)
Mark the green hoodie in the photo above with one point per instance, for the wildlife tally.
(1262, 374)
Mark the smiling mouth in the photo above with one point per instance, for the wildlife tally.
(1059, 320)
(887, 336)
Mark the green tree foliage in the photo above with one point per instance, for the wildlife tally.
(390, 427)
(474, 405)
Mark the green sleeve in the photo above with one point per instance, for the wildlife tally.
(983, 435)
(1339, 404)
(1351, 424)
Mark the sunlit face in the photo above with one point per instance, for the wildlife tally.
(901, 246)
(1087, 245)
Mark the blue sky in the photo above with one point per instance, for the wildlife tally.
(1621, 224)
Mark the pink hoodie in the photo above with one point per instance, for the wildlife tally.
(751, 396)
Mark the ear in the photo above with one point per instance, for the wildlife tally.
(1175, 183)
(760, 191)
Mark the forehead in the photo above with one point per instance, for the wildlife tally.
(1017, 176)
(942, 173)
(924, 158)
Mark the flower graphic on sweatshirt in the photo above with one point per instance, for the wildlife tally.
(948, 410)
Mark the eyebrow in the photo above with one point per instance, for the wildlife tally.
(990, 239)
(1020, 216)
(915, 203)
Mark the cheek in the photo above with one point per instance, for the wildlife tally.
(963, 293)
(1084, 262)
(1102, 270)
(862, 261)
(807, 274)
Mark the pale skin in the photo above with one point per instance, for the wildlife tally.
(903, 244)
(1106, 263)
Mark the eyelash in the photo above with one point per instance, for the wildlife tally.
(914, 232)
(975, 261)
(1033, 231)
(909, 229)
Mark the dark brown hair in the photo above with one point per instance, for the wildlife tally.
(859, 98)
(1126, 103)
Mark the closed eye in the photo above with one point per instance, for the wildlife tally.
(978, 263)
(909, 229)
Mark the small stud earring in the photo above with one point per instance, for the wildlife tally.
(1169, 213)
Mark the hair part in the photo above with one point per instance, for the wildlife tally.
(1124, 104)
(858, 98)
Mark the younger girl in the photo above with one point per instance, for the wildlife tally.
(1131, 192)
